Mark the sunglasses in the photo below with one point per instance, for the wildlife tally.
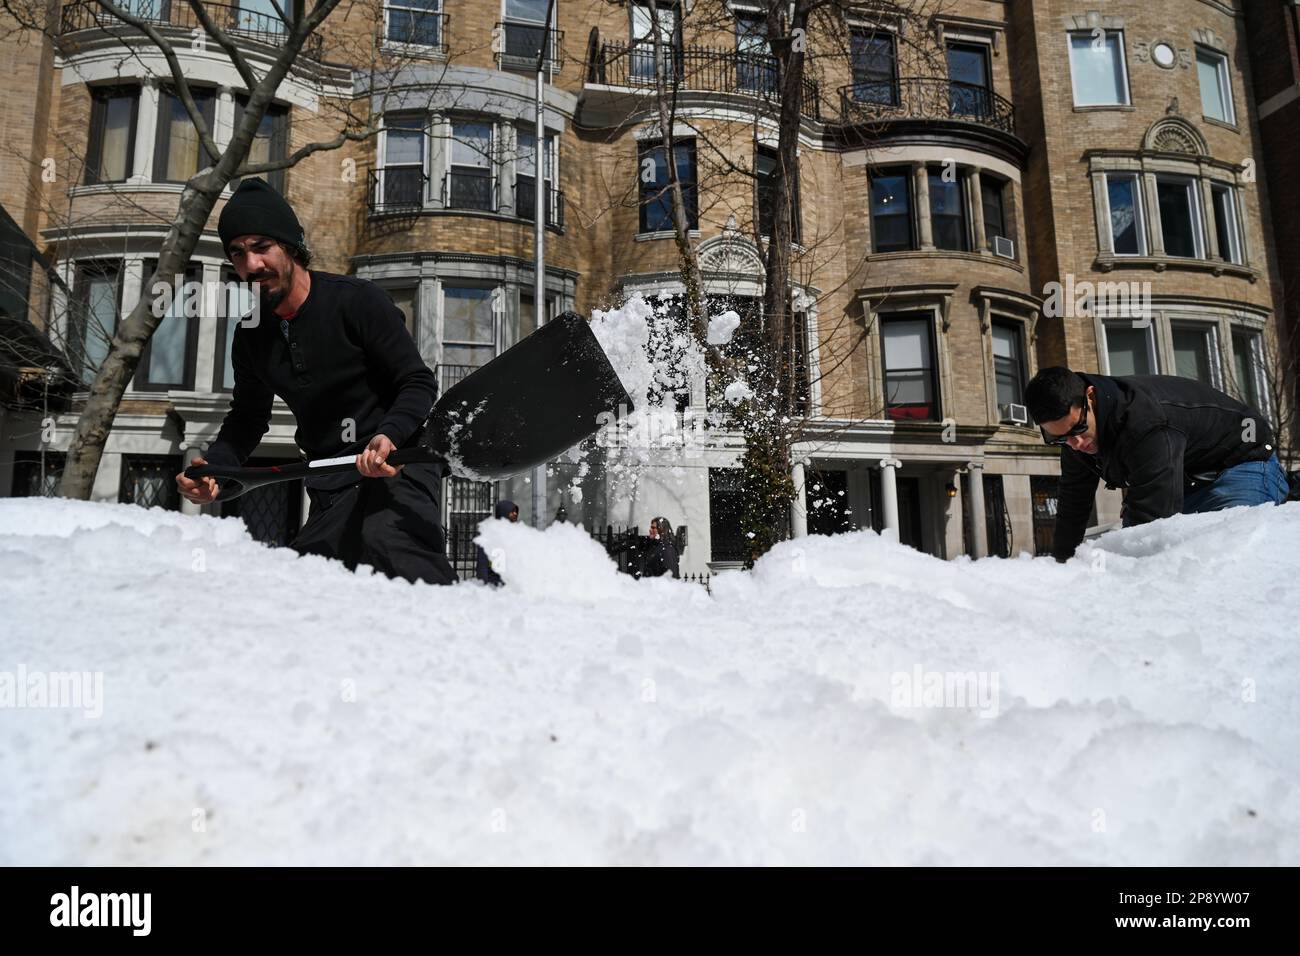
(1077, 429)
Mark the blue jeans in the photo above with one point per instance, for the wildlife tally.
(1250, 483)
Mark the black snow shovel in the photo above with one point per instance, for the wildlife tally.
(520, 410)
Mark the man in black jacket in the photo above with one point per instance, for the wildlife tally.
(336, 350)
(1175, 446)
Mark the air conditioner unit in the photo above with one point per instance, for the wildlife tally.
(1013, 414)
(1004, 247)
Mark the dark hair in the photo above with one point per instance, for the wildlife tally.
(299, 254)
(664, 528)
(1051, 394)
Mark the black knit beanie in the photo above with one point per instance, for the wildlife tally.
(257, 209)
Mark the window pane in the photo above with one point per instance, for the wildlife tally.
(908, 379)
(994, 216)
(533, 11)
(872, 60)
(968, 71)
(471, 145)
(1176, 218)
(418, 25)
(101, 319)
(471, 355)
(1124, 228)
(1192, 354)
(891, 214)
(1097, 70)
(1128, 350)
(1225, 224)
(115, 146)
(167, 349)
(404, 146)
(181, 160)
(1245, 366)
(947, 213)
(1006, 363)
(1211, 69)
(467, 315)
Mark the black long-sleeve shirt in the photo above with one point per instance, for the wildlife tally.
(347, 369)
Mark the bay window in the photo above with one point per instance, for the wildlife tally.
(1180, 217)
(110, 149)
(1124, 211)
(892, 229)
(178, 154)
(470, 183)
(948, 211)
(1195, 355)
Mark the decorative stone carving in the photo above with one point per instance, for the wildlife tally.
(1173, 134)
(731, 254)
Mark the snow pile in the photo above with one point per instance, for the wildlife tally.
(849, 701)
(722, 327)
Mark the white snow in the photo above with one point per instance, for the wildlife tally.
(1139, 705)
(722, 327)
(737, 392)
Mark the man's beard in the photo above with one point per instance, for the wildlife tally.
(271, 299)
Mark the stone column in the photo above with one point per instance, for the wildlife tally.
(979, 529)
(921, 179)
(223, 120)
(953, 525)
(798, 507)
(1152, 217)
(1212, 250)
(205, 357)
(146, 127)
(975, 196)
(889, 496)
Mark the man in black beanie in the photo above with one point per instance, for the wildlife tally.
(336, 350)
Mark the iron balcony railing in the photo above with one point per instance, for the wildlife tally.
(709, 69)
(422, 29)
(526, 198)
(397, 189)
(519, 45)
(925, 98)
(251, 24)
(469, 190)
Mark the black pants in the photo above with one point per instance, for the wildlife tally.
(391, 524)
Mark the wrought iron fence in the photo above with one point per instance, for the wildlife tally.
(265, 28)
(449, 375)
(925, 98)
(710, 69)
(466, 190)
(150, 481)
(526, 197)
(396, 189)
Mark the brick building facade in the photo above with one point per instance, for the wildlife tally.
(954, 170)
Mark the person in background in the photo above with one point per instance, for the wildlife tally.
(483, 567)
(662, 558)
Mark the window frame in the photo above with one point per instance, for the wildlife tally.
(936, 402)
(550, 163)
(1254, 339)
(439, 15)
(878, 172)
(1017, 329)
(1223, 77)
(1191, 187)
(142, 381)
(873, 33)
(496, 292)
(1121, 52)
(1233, 227)
(1149, 336)
(491, 166)
(1214, 350)
(963, 213)
(986, 97)
(690, 191)
(99, 96)
(162, 129)
(85, 271)
(1139, 212)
